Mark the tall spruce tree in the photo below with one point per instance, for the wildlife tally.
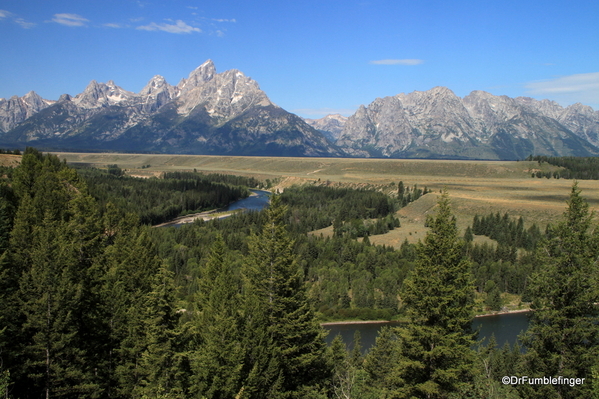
(53, 244)
(159, 365)
(130, 266)
(349, 379)
(563, 337)
(286, 353)
(435, 357)
(217, 357)
(380, 361)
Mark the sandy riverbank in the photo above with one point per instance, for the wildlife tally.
(498, 313)
(332, 323)
(208, 215)
(503, 312)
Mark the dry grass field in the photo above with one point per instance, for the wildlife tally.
(475, 187)
(9, 160)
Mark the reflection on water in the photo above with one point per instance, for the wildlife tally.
(506, 328)
(255, 202)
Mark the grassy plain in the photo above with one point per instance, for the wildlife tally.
(475, 187)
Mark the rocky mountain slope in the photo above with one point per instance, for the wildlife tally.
(331, 125)
(206, 113)
(227, 113)
(438, 124)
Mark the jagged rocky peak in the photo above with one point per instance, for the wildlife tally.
(221, 95)
(336, 117)
(156, 84)
(90, 97)
(438, 112)
(578, 107)
(156, 93)
(492, 109)
(34, 100)
(16, 109)
(330, 125)
(438, 102)
(331, 119)
(198, 76)
(117, 93)
(431, 97)
(545, 107)
(101, 94)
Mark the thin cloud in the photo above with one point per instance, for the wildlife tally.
(20, 21)
(178, 27)
(72, 20)
(224, 20)
(115, 26)
(582, 87)
(24, 24)
(397, 62)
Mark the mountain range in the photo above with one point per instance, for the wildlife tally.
(227, 114)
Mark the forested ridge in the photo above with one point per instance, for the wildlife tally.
(159, 200)
(97, 304)
(581, 168)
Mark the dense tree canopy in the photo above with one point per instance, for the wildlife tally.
(435, 356)
(96, 304)
(563, 339)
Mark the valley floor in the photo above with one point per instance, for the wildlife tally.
(475, 187)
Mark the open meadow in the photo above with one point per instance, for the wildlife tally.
(475, 187)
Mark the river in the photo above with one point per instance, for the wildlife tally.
(506, 327)
(255, 202)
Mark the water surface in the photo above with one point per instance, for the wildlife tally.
(506, 327)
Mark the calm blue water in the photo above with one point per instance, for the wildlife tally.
(506, 328)
(251, 203)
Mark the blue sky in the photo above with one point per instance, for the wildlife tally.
(310, 57)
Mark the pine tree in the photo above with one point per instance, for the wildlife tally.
(400, 191)
(54, 241)
(159, 370)
(130, 265)
(381, 359)
(217, 358)
(52, 298)
(435, 356)
(349, 378)
(286, 353)
(563, 336)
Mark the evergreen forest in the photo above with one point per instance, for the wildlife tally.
(96, 303)
(581, 168)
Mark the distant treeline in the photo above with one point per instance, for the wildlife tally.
(581, 168)
(316, 207)
(159, 200)
(12, 152)
(506, 231)
(405, 195)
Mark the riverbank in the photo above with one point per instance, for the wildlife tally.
(348, 322)
(206, 215)
(335, 323)
(257, 200)
(502, 312)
